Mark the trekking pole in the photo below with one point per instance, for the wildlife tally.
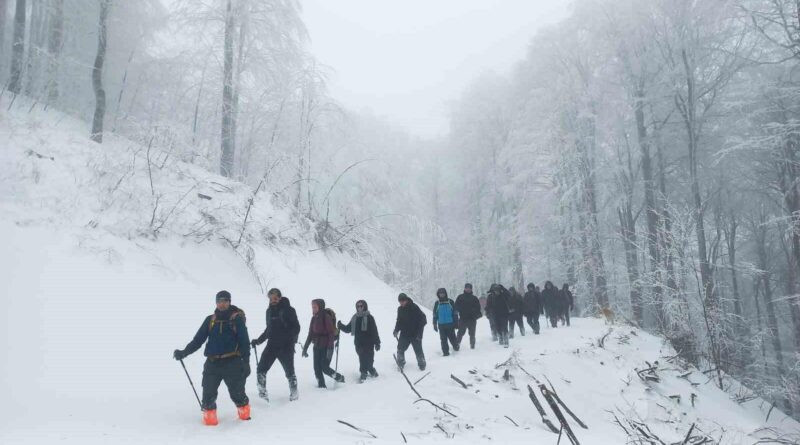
(190, 382)
(255, 351)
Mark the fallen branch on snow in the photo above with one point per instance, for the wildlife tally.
(360, 430)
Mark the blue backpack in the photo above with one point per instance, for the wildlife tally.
(444, 313)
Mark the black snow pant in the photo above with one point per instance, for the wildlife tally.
(233, 372)
(492, 327)
(284, 353)
(402, 345)
(463, 327)
(515, 318)
(566, 316)
(448, 332)
(501, 326)
(533, 322)
(366, 358)
(322, 363)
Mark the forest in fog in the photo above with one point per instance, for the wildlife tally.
(647, 152)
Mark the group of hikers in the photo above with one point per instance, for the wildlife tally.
(227, 343)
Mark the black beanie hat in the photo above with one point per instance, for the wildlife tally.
(468, 286)
(223, 295)
(402, 297)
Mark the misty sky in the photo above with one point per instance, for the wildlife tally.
(404, 60)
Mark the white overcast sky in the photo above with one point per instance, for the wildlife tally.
(404, 60)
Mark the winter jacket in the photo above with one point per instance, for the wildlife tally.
(567, 301)
(515, 303)
(533, 303)
(411, 320)
(321, 329)
(550, 298)
(226, 332)
(468, 307)
(282, 325)
(497, 303)
(366, 338)
(444, 311)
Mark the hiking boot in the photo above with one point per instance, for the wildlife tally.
(293, 395)
(338, 377)
(261, 380)
(456, 347)
(373, 372)
(321, 384)
(445, 353)
(210, 417)
(421, 363)
(362, 378)
(244, 412)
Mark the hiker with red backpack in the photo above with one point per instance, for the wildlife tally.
(323, 333)
(365, 333)
(227, 354)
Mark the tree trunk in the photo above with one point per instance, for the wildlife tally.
(3, 13)
(688, 112)
(651, 209)
(55, 43)
(772, 319)
(627, 227)
(226, 140)
(18, 48)
(97, 75)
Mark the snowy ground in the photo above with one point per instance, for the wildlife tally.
(93, 312)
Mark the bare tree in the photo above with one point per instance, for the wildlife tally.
(97, 74)
(17, 48)
(227, 139)
(55, 42)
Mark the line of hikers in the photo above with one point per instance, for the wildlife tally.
(506, 308)
(227, 343)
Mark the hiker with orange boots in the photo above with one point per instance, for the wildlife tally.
(227, 357)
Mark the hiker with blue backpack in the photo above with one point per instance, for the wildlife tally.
(445, 320)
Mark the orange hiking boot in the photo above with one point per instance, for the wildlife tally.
(210, 417)
(244, 412)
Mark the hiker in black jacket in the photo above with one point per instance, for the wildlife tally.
(497, 308)
(469, 311)
(227, 354)
(533, 307)
(408, 330)
(365, 332)
(445, 320)
(552, 306)
(280, 333)
(516, 307)
(567, 302)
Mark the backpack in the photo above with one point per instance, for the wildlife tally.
(444, 313)
(335, 325)
(231, 320)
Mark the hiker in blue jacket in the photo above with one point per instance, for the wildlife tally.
(445, 320)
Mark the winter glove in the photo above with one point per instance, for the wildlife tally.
(339, 324)
(329, 354)
(396, 335)
(377, 346)
(435, 328)
(305, 352)
(254, 343)
(246, 366)
(178, 354)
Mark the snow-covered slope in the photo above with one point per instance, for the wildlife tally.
(95, 303)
